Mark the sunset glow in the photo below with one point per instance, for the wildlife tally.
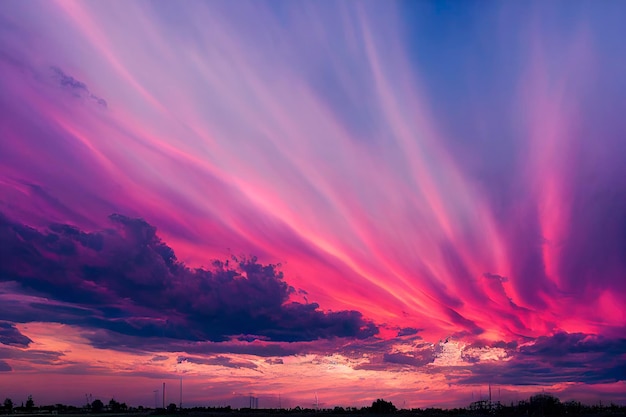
(355, 200)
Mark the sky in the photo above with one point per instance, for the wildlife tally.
(288, 200)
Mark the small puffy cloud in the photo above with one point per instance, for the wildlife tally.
(77, 88)
(418, 360)
(217, 361)
(10, 335)
(407, 331)
(5, 367)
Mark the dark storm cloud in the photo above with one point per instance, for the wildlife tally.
(126, 280)
(563, 357)
(9, 335)
(555, 347)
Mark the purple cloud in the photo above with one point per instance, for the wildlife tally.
(418, 360)
(407, 331)
(77, 88)
(127, 280)
(11, 336)
(5, 367)
(218, 361)
(563, 357)
(32, 356)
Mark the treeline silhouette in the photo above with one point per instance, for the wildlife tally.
(537, 405)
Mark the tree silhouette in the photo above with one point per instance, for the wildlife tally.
(114, 406)
(383, 407)
(545, 404)
(8, 405)
(171, 408)
(30, 404)
(97, 406)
